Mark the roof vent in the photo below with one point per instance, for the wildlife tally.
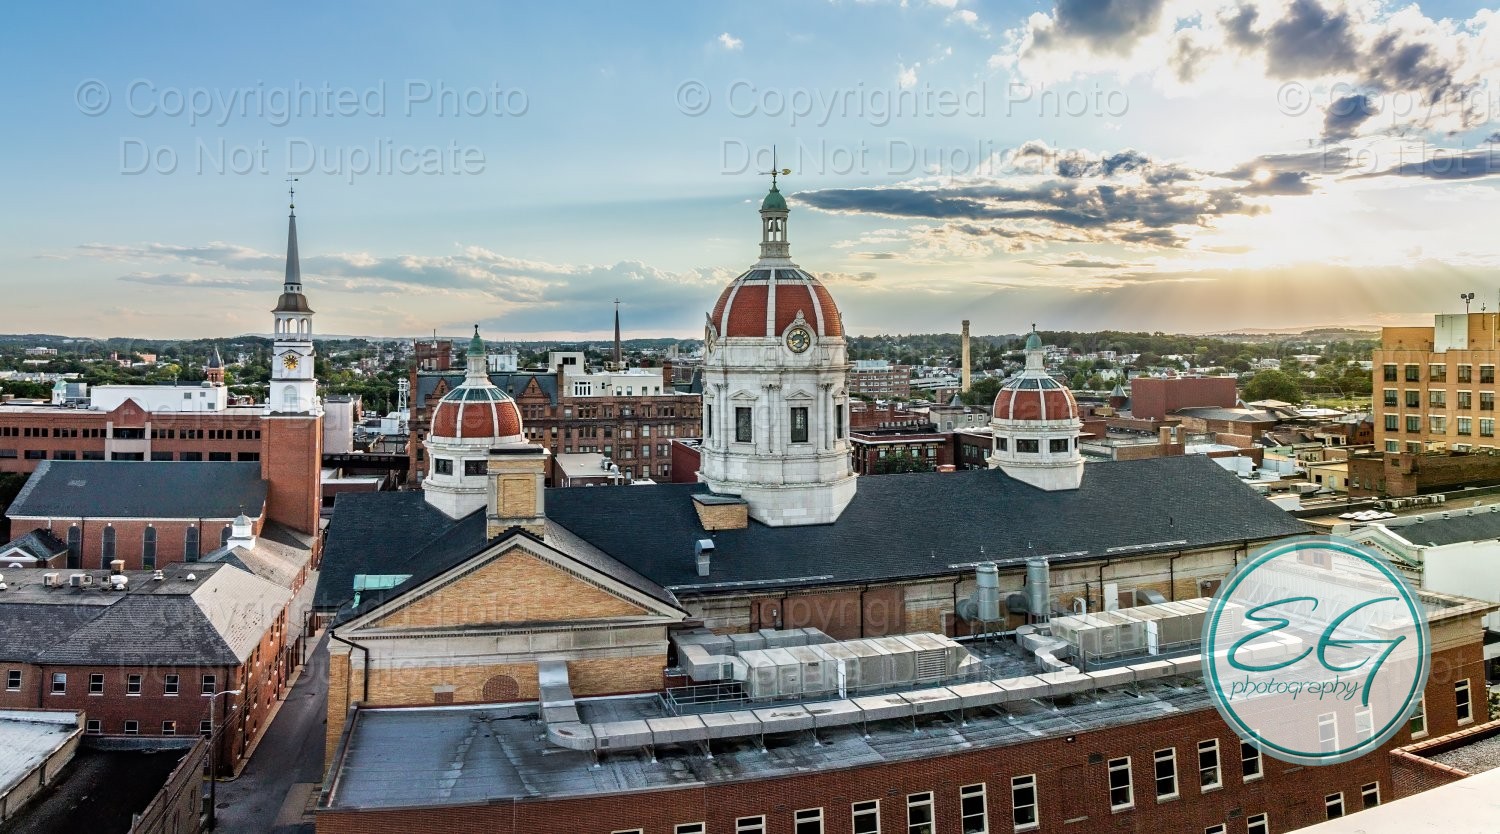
(158, 575)
(703, 551)
(119, 581)
(117, 566)
(192, 577)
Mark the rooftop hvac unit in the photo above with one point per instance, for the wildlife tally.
(81, 580)
(119, 581)
(51, 580)
(117, 566)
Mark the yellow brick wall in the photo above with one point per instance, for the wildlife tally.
(723, 516)
(515, 588)
(517, 497)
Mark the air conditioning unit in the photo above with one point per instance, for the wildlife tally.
(51, 580)
(81, 580)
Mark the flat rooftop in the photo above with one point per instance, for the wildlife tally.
(403, 757)
(28, 738)
(1471, 804)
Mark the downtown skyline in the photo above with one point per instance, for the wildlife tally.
(1145, 165)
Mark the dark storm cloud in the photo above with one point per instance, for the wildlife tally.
(1310, 41)
(1345, 115)
(1468, 165)
(1239, 27)
(1330, 160)
(1105, 25)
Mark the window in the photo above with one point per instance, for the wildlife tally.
(219, 456)
(107, 548)
(1413, 399)
(1486, 400)
(1465, 425)
(169, 728)
(224, 533)
(1166, 774)
(743, 427)
(808, 821)
(1002, 444)
(1486, 427)
(1465, 373)
(1031, 446)
(1390, 397)
(1364, 724)
(1464, 709)
(148, 548)
(190, 456)
(838, 417)
(1437, 397)
(1439, 424)
(1369, 795)
(1390, 373)
(36, 454)
(1023, 801)
(919, 819)
(93, 727)
(1392, 422)
(190, 545)
(1328, 732)
(1413, 423)
(799, 425)
(13, 680)
(205, 727)
(1413, 373)
(1487, 373)
(750, 825)
(1249, 762)
(1121, 792)
(75, 547)
(1465, 400)
(169, 685)
(866, 816)
(210, 685)
(1334, 803)
(1208, 764)
(96, 684)
(708, 421)
(1437, 373)
(972, 814)
(133, 685)
(132, 727)
(1058, 444)
(689, 828)
(59, 683)
(442, 466)
(1216, 828)
(1257, 824)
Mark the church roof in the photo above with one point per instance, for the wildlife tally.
(512, 383)
(140, 489)
(39, 544)
(774, 201)
(923, 524)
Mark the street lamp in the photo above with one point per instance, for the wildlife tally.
(1467, 298)
(213, 767)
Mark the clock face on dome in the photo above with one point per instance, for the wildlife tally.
(290, 361)
(798, 339)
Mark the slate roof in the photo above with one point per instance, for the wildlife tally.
(897, 526)
(140, 489)
(926, 524)
(1452, 530)
(40, 544)
(278, 555)
(511, 382)
(215, 619)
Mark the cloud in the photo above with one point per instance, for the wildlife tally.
(1079, 260)
(1044, 195)
(1103, 26)
(846, 277)
(906, 78)
(730, 42)
(875, 256)
(1444, 165)
(190, 279)
(1343, 118)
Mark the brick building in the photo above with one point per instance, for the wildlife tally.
(1435, 386)
(1153, 398)
(879, 379)
(868, 449)
(144, 661)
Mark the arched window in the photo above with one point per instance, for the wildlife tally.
(148, 548)
(224, 535)
(190, 545)
(75, 547)
(107, 550)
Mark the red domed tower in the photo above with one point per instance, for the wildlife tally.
(467, 423)
(775, 416)
(1035, 427)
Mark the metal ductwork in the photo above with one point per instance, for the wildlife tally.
(1038, 588)
(703, 551)
(984, 604)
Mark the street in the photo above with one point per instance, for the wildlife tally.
(274, 787)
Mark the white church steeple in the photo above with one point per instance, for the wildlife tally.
(293, 389)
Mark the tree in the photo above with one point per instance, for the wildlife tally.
(895, 463)
(981, 391)
(1273, 385)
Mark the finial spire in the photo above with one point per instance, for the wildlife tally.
(775, 171)
(619, 354)
(291, 195)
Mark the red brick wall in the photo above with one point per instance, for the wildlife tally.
(171, 538)
(291, 462)
(1154, 399)
(685, 462)
(220, 432)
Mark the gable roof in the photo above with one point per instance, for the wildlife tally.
(377, 533)
(140, 489)
(511, 382)
(1435, 532)
(39, 544)
(277, 555)
(926, 524)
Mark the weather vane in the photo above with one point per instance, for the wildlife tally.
(774, 170)
(291, 192)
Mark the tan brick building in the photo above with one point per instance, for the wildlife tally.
(1435, 386)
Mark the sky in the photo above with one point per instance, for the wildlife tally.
(1191, 166)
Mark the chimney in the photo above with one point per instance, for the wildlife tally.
(517, 490)
(963, 348)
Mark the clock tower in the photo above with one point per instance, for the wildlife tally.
(775, 404)
(293, 389)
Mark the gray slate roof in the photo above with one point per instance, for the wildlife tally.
(898, 526)
(140, 489)
(39, 543)
(1457, 528)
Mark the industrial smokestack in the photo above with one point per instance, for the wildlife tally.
(964, 358)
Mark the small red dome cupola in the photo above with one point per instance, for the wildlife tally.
(477, 409)
(1033, 394)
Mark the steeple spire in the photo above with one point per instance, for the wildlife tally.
(293, 264)
(619, 354)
